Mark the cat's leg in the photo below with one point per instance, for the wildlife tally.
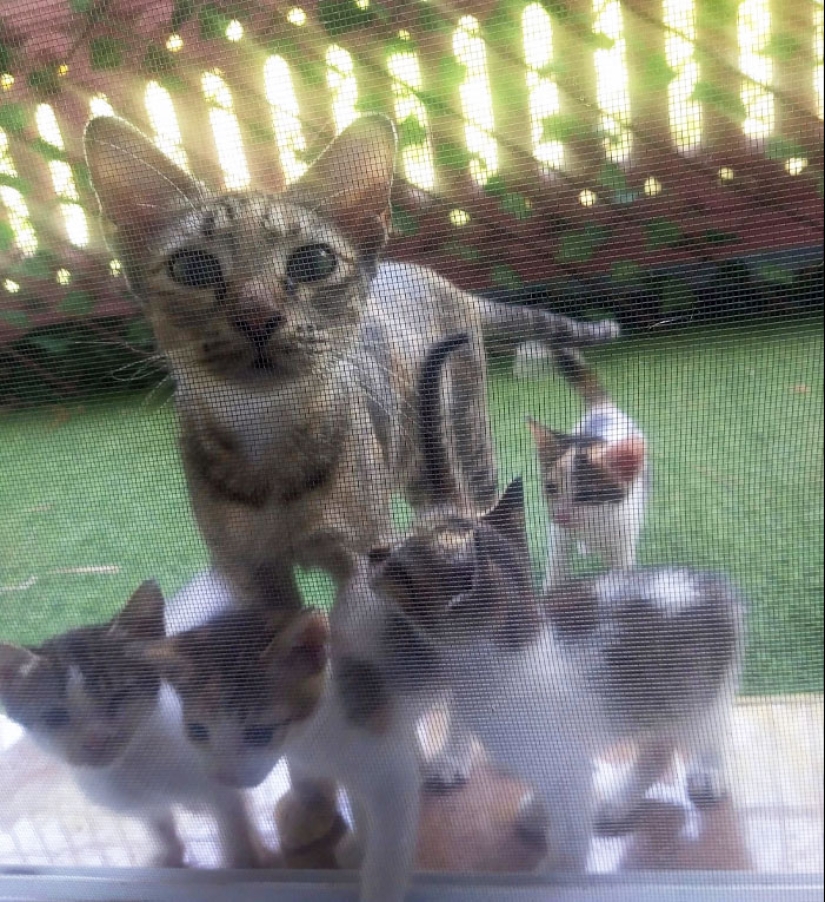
(707, 748)
(561, 545)
(164, 829)
(618, 813)
(451, 763)
(240, 844)
(309, 822)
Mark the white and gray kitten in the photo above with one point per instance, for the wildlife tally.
(86, 697)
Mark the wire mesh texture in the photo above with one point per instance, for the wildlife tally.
(411, 438)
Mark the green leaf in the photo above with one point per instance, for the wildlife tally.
(431, 19)
(625, 271)
(49, 151)
(517, 205)
(715, 236)
(80, 6)
(15, 318)
(158, 60)
(404, 223)
(14, 181)
(77, 303)
(6, 57)
(560, 127)
(579, 245)
(182, 11)
(782, 149)
(311, 71)
(461, 250)
(40, 265)
(782, 47)
(774, 274)
(337, 17)
(212, 22)
(662, 232)
(139, 334)
(495, 186)
(6, 236)
(726, 102)
(675, 295)
(716, 14)
(451, 156)
(451, 73)
(656, 74)
(411, 132)
(44, 81)
(505, 276)
(55, 345)
(258, 133)
(106, 53)
(436, 103)
(12, 117)
(612, 176)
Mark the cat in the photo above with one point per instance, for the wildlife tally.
(596, 479)
(88, 698)
(295, 353)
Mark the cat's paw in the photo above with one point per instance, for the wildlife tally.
(706, 786)
(532, 821)
(448, 769)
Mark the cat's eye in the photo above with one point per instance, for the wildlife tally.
(258, 737)
(311, 263)
(195, 269)
(197, 732)
(56, 718)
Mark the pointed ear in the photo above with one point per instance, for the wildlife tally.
(508, 515)
(166, 658)
(305, 643)
(16, 663)
(142, 616)
(351, 180)
(551, 445)
(625, 458)
(137, 185)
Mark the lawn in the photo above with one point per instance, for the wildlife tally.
(92, 499)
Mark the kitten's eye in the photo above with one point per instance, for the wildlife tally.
(311, 263)
(258, 737)
(195, 269)
(197, 732)
(55, 718)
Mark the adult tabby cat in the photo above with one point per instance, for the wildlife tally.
(295, 354)
(88, 698)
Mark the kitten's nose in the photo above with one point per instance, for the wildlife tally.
(258, 328)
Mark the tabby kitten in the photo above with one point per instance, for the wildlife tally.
(87, 697)
(596, 479)
(295, 354)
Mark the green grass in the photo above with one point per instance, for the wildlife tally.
(734, 420)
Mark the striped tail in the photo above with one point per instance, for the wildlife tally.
(580, 376)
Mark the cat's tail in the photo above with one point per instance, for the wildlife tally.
(505, 326)
(440, 485)
(580, 376)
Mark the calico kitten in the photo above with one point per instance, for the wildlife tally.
(596, 479)
(295, 354)
(87, 697)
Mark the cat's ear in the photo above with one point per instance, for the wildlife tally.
(508, 516)
(142, 616)
(16, 663)
(350, 182)
(303, 644)
(137, 186)
(550, 444)
(624, 459)
(167, 659)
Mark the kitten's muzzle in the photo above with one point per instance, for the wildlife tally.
(258, 328)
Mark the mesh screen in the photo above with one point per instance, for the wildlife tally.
(411, 435)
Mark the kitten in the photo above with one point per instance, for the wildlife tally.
(596, 479)
(295, 354)
(86, 697)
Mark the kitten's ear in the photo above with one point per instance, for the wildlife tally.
(625, 459)
(165, 656)
(551, 445)
(16, 663)
(305, 643)
(351, 180)
(508, 515)
(142, 615)
(137, 185)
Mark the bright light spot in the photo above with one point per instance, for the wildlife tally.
(234, 31)
(537, 34)
(63, 277)
(342, 85)
(100, 106)
(587, 198)
(296, 16)
(226, 131)
(6, 81)
(115, 267)
(161, 112)
(174, 43)
(17, 211)
(404, 35)
(416, 158)
(74, 217)
(11, 286)
(476, 100)
(286, 120)
(726, 174)
(680, 45)
(756, 66)
(652, 186)
(819, 68)
(796, 165)
(459, 218)
(62, 70)
(362, 4)
(612, 90)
